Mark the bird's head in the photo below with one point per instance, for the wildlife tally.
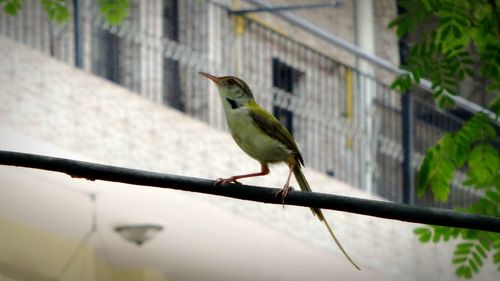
(231, 87)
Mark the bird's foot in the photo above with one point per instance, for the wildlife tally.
(226, 181)
(284, 192)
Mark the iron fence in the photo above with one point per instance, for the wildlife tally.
(348, 123)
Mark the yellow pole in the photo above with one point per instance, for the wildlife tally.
(349, 103)
(239, 29)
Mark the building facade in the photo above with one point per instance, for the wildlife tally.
(341, 110)
(346, 119)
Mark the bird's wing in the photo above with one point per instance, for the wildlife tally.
(266, 122)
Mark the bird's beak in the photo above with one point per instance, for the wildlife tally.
(211, 77)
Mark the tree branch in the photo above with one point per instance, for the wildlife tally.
(387, 210)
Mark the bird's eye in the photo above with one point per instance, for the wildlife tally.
(231, 82)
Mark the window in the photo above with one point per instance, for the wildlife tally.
(114, 55)
(289, 80)
(172, 94)
(106, 58)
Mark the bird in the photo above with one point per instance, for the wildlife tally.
(262, 137)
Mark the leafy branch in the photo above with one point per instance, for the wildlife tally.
(469, 255)
(465, 37)
(470, 148)
(57, 10)
(115, 11)
(444, 54)
(11, 7)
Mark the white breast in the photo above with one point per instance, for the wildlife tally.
(252, 140)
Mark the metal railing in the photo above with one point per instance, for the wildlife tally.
(158, 51)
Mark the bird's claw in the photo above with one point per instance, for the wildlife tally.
(226, 181)
(284, 192)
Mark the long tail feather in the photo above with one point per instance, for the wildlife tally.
(304, 186)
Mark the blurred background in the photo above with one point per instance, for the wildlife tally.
(130, 95)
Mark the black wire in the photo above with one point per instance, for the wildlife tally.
(381, 209)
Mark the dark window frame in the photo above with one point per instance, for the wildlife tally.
(285, 78)
(172, 92)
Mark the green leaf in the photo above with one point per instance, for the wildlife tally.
(464, 271)
(442, 233)
(473, 266)
(495, 105)
(461, 150)
(484, 163)
(468, 235)
(459, 260)
(494, 86)
(496, 244)
(455, 232)
(481, 252)
(493, 196)
(424, 233)
(115, 11)
(437, 235)
(484, 207)
(465, 246)
(403, 82)
(445, 32)
(423, 175)
(485, 244)
(56, 10)
(11, 7)
(431, 5)
(496, 257)
(441, 176)
(445, 101)
(477, 259)
(461, 252)
(456, 32)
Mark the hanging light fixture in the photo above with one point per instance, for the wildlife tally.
(138, 233)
